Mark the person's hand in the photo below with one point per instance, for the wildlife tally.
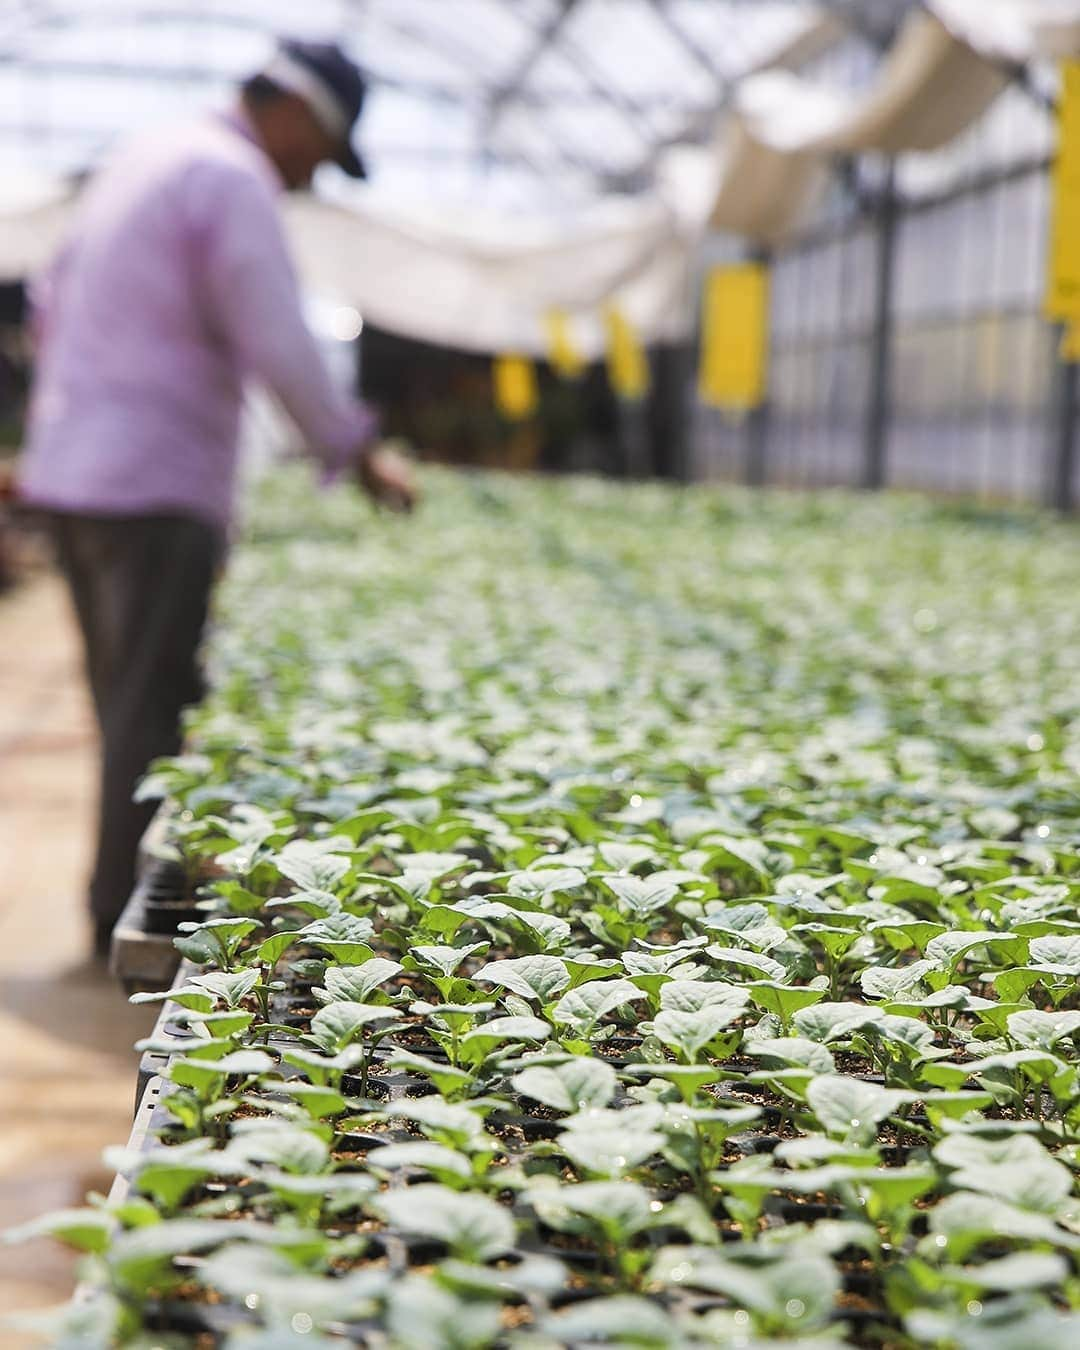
(388, 479)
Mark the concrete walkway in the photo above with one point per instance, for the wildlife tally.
(67, 1071)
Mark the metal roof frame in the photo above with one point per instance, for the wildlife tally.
(489, 93)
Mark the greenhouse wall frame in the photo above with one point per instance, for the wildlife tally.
(909, 346)
(909, 349)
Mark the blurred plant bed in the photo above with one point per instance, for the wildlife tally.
(625, 917)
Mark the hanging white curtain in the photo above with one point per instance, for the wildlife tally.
(485, 282)
(931, 86)
(1014, 30)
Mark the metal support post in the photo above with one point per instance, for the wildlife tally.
(668, 414)
(1062, 448)
(758, 419)
(757, 445)
(879, 402)
(633, 434)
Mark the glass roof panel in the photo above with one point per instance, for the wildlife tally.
(734, 38)
(539, 101)
(487, 39)
(611, 37)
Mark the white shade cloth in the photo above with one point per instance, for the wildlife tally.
(486, 282)
(931, 86)
(1014, 30)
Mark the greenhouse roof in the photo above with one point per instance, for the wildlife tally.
(517, 102)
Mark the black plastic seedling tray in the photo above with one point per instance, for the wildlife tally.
(142, 954)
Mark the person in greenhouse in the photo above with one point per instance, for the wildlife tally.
(174, 290)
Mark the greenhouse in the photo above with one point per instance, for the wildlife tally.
(538, 638)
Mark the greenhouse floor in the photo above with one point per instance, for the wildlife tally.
(67, 1071)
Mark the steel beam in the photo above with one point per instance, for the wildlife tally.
(1064, 412)
(513, 87)
(879, 402)
(200, 74)
(688, 42)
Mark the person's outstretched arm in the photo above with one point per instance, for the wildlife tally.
(253, 297)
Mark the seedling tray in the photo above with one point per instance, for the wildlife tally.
(719, 862)
(141, 958)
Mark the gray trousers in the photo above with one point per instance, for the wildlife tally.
(141, 587)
